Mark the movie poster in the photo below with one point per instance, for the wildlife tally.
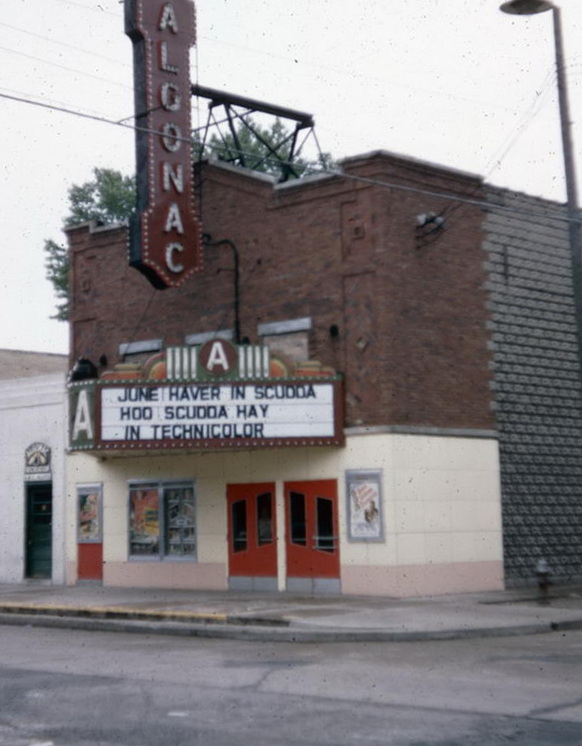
(89, 502)
(364, 496)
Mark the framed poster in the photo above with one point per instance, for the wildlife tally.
(89, 514)
(364, 509)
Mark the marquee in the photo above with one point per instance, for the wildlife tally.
(215, 407)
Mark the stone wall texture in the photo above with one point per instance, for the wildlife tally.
(537, 386)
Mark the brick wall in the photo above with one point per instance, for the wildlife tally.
(411, 312)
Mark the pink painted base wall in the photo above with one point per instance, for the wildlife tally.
(405, 581)
(426, 580)
(179, 575)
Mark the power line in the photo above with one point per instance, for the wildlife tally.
(28, 96)
(65, 67)
(484, 204)
(95, 8)
(526, 119)
(505, 148)
(64, 44)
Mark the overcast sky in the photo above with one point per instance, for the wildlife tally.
(455, 82)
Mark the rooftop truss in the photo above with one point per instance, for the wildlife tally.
(236, 114)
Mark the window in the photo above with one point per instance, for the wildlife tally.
(290, 339)
(298, 519)
(162, 520)
(239, 526)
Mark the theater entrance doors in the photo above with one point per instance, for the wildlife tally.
(312, 536)
(306, 553)
(252, 537)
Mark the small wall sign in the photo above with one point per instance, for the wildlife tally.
(37, 463)
(90, 512)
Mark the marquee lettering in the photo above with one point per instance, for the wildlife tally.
(171, 98)
(173, 176)
(162, 34)
(121, 414)
(174, 220)
(163, 59)
(171, 263)
(217, 357)
(168, 19)
(83, 424)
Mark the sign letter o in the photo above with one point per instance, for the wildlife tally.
(171, 135)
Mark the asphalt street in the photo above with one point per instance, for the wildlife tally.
(61, 687)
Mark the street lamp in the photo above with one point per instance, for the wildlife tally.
(528, 8)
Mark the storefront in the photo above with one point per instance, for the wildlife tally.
(217, 466)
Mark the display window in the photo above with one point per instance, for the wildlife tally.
(162, 520)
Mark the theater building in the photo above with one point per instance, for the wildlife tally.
(311, 412)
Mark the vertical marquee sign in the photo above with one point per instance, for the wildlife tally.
(164, 239)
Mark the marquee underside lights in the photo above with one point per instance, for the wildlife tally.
(165, 236)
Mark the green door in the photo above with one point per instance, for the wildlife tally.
(39, 535)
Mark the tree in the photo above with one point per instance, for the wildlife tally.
(108, 198)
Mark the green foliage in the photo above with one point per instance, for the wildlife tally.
(57, 272)
(108, 198)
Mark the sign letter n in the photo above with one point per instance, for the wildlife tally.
(164, 235)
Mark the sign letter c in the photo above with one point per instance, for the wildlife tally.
(171, 248)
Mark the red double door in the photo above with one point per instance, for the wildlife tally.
(311, 530)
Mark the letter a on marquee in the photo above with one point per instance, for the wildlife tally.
(83, 424)
(217, 358)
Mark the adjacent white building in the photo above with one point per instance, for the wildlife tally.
(32, 466)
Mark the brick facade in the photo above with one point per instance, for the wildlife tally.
(345, 252)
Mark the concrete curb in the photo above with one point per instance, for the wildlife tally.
(131, 614)
(264, 633)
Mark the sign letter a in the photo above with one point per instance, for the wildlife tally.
(83, 422)
(168, 19)
(217, 356)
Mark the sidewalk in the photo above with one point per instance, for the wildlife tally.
(286, 617)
